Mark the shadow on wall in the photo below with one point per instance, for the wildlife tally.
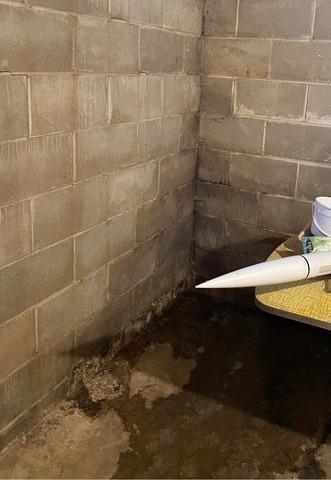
(211, 263)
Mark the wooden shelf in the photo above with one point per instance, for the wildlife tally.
(306, 301)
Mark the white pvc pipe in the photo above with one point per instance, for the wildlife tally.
(283, 270)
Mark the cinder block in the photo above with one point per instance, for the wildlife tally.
(153, 217)
(270, 98)
(192, 54)
(60, 214)
(150, 290)
(181, 94)
(71, 308)
(14, 107)
(159, 138)
(91, 44)
(147, 11)
(175, 240)
(166, 278)
(283, 214)
(228, 203)
(189, 134)
(302, 142)
(18, 342)
(29, 281)
(131, 187)
(53, 105)
(120, 9)
(213, 166)
(176, 171)
(15, 228)
(302, 61)
(124, 98)
(237, 57)
(281, 19)
(25, 166)
(91, 250)
(103, 244)
(97, 7)
(92, 101)
(242, 135)
(106, 326)
(313, 181)
(25, 386)
(162, 213)
(23, 30)
(62, 103)
(322, 27)
(220, 17)
(123, 48)
(140, 303)
(104, 150)
(32, 415)
(216, 96)
(146, 293)
(149, 97)
(211, 263)
(160, 51)
(132, 268)
(263, 174)
(181, 268)
(209, 233)
(250, 242)
(185, 15)
(319, 104)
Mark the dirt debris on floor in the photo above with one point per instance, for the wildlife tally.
(207, 391)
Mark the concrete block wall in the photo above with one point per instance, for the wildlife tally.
(265, 130)
(98, 136)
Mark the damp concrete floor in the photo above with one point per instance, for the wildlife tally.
(210, 390)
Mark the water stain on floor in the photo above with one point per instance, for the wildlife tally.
(207, 391)
(157, 374)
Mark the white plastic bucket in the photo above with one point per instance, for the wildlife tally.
(321, 223)
(316, 232)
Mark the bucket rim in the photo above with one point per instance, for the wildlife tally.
(323, 204)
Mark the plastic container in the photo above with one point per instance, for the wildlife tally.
(316, 244)
(321, 223)
(316, 231)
